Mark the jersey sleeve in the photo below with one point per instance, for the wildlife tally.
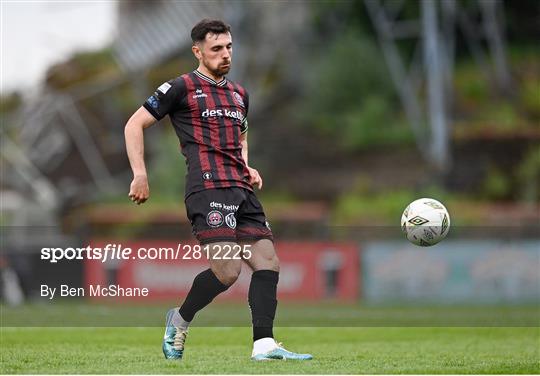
(169, 97)
(244, 125)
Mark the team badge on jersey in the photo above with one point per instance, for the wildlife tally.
(238, 99)
(207, 175)
(214, 218)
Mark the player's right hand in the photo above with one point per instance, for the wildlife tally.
(139, 191)
(255, 178)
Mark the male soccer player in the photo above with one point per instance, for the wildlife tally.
(208, 113)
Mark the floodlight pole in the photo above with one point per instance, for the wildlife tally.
(403, 81)
(495, 39)
(435, 64)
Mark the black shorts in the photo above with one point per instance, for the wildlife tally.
(227, 214)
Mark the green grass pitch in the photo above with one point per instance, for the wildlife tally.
(337, 350)
(81, 337)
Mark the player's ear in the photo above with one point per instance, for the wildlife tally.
(196, 51)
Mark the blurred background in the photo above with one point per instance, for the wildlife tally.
(356, 109)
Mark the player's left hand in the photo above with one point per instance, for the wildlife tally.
(255, 178)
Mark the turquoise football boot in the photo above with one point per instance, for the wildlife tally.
(174, 338)
(279, 353)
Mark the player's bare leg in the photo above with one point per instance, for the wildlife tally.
(206, 286)
(263, 302)
(227, 271)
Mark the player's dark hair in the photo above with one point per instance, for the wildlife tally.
(199, 31)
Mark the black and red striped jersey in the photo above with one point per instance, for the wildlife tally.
(208, 118)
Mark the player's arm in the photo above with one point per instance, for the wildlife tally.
(167, 99)
(254, 176)
(244, 143)
(139, 190)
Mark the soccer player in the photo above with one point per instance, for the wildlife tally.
(208, 113)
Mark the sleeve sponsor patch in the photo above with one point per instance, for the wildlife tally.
(164, 87)
(153, 102)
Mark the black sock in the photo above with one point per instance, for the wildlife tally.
(205, 288)
(263, 302)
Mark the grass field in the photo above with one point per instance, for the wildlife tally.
(227, 350)
(77, 337)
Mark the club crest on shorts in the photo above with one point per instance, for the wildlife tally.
(230, 220)
(214, 218)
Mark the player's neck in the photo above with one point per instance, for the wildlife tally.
(202, 69)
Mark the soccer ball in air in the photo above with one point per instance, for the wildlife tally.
(425, 222)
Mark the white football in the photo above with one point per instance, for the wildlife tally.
(425, 222)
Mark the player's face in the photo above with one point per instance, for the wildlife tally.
(215, 53)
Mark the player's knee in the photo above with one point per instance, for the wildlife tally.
(274, 263)
(268, 262)
(229, 277)
(228, 273)
(266, 259)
